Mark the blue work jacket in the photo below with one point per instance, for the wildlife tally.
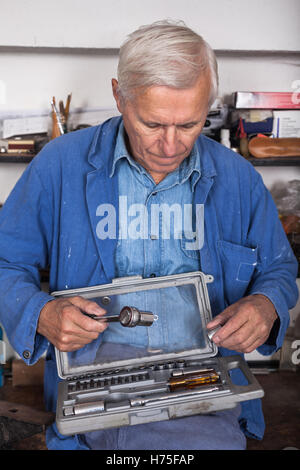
(50, 218)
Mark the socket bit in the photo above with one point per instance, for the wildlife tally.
(128, 317)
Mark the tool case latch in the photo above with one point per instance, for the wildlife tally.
(149, 416)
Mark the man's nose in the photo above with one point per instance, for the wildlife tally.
(170, 142)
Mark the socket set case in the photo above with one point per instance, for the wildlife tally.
(109, 384)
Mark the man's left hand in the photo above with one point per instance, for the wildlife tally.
(246, 324)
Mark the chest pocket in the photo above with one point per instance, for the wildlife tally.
(238, 264)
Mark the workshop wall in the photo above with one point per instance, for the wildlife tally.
(227, 24)
(33, 76)
(57, 47)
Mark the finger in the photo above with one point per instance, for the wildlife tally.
(88, 306)
(244, 347)
(75, 326)
(238, 341)
(243, 341)
(252, 343)
(74, 347)
(71, 336)
(230, 328)
(222, 317)
(242, 331)
(85, 326)
(248, 348)
(218, 320)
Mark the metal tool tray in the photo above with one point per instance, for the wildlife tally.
(109, 384)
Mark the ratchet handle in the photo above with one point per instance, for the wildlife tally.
(109, 318)
(128, 317)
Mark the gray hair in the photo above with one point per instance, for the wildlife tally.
(165, 53)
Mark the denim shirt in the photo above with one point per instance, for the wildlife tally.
(152, 243)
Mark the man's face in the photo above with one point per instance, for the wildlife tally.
(162, 124)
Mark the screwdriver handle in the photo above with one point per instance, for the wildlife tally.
(192, 380)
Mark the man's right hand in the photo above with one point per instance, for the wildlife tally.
(62, 322)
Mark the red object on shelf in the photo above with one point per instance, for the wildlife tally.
(267, 100)
(240, 132)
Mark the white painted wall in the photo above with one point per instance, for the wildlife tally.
(31, 76)
(227, 24)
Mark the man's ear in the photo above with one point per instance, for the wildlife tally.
(116, 93)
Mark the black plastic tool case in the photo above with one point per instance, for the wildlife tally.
(109, 384)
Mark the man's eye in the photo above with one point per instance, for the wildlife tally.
(187, 126)
(152, 125)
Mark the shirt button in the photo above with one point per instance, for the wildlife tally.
(152, 275)
(26, 354)
(154, 194)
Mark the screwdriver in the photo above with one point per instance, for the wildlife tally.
(193, 379)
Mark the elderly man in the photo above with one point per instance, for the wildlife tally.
(153, 154)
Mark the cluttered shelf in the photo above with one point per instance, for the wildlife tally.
(264, 127)
(22, 149)
(15, 158)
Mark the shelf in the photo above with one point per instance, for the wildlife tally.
(15, 158)
(276, 161)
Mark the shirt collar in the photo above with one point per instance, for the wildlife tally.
(189, 168)
(122, 152)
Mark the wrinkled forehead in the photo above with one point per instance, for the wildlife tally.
(167, 105)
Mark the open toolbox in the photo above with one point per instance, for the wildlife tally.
(155, 360)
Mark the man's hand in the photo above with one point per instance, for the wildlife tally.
(62, 322)
(245, 325)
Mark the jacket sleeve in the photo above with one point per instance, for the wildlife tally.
(276, 268)
(25, 237)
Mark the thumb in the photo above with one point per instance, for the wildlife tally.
(87, 306)
(220, 319)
